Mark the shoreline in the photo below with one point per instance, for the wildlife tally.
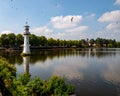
(32, 48)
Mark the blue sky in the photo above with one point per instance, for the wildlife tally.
(62, 19)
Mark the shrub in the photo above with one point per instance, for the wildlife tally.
(55, 86)
(58, 87)
(25, 86)
(7, 73)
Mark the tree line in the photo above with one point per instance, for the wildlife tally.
(11, 40)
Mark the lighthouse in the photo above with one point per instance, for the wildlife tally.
(26, 47)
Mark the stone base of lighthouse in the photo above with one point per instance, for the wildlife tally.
(26, 49)
(25, 54)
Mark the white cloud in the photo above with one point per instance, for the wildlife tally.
(6, 32)
(42, 31)
(69, 21)
(113, 16)
(117, 2)
(90, 16)
(59, 35)
(63, 28)
(75, 33)
(78, 29)
(93, 14)
(113, 26)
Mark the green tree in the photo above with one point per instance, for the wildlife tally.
(62, 43)
(42, 40)
(58, 42)
(99, 42)
(77, 43)
(19, 39)
(118, 44)
(92, 41)
(4, 41)
(12, 39)
(110, 45)
(84, 43)
(34, 40)
(52, 42)
(114, 43)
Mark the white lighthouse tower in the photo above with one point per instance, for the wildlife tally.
(26, 47)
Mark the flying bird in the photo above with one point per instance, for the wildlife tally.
(71, 19)
(12, 5)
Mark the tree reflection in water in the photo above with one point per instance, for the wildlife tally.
(42, 55)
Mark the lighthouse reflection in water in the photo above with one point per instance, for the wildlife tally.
(26, 61)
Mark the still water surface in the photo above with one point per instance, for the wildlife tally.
(93, 72)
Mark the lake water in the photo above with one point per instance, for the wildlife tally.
(93, 72)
